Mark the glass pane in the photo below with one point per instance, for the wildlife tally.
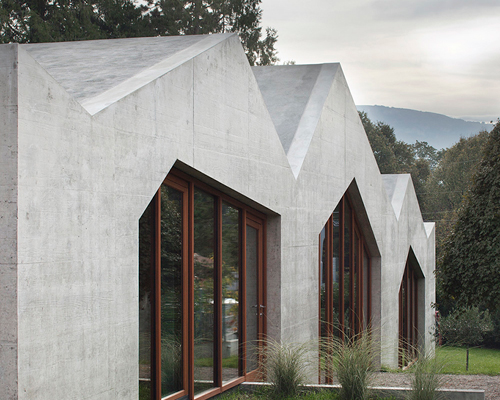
(336, 272)
(323, 248)
(230, 292)
(203, 291)
(171, 291)
(347, 269)
(366, 282)
(146, 251)
(355, 277)
(252, 300)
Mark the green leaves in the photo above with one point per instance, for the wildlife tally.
(466, 326)
(35, 21)
(470, 268)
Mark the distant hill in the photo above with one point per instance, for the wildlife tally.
(438, 130)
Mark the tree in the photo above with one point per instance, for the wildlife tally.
(452, 174)
(184, 17)
(470, 268)
(465, 327)
(444, 189)
(34, 21)
(397, 157)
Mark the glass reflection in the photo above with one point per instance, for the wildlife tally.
(252, 300)
(171, 290)
(323, 280)
(355, 284)
(366, 311)
(347, 269)
(230, 292)
(146, 232)
(204, 211)
(336, 271)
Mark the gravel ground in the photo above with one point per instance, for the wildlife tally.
(490, 384)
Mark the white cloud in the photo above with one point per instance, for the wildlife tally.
(439, 56)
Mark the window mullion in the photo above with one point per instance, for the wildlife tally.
(190, 333)
(218, 293)
(243, 294)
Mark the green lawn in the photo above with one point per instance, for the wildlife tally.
(264, 395)
(481, 361)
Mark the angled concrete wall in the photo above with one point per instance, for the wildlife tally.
(8, 220)
(88, 165)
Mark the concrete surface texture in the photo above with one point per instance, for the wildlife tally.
(89, 132)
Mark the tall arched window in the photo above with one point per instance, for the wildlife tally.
(201, 291)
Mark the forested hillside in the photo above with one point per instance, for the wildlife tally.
(438, 130)
(458, 188)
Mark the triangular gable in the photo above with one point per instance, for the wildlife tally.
(395, 186)
(295, 96)
(97, 73)
(429, 228)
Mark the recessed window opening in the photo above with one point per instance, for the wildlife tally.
(201, 291)
(345, 275)
(408, 315)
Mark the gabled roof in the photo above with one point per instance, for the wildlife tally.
(99, 72)
(295, 96)
(395, 186)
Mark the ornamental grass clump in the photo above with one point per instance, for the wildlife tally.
(352, 361)
(284, 366)
(426, 379)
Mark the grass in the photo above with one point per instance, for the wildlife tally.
(284, 366)
(352, 361)
(229, 362)
(265, 395)
(481, 361)
(426, 379)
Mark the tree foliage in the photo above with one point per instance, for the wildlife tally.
(470, 267)
(182, 17)
(465, 327)
(451, 177)
(398, 157)
(443, 194)
(34, 21)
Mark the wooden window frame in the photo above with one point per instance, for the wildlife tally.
(355, 313)
(247, 216)
(356, 310)
(408, 315)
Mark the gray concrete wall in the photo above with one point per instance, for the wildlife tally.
(8, 221)
(86, 178)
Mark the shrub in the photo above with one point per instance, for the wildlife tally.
(284, 366)
(352, 360)
(426, 379)
(465, 327)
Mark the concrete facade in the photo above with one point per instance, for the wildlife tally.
(89, 130)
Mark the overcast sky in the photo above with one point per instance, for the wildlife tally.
(430, 55)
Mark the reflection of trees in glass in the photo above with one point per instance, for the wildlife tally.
(145, 298)
(203, 257)
(230, 290)
(230, 263)
(347, 268)
(203, 265)
(171, 290)
(171, 363)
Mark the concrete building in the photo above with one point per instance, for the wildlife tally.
(163, 205)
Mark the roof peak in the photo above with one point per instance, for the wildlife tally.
(295, 96)
(99, 72)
